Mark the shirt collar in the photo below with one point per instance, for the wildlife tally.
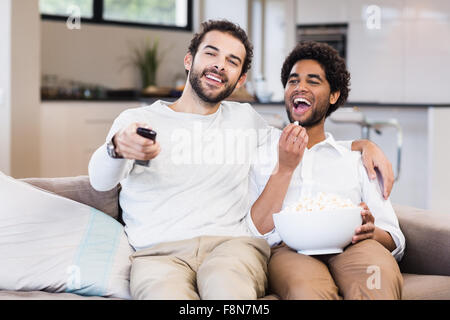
(329, 141)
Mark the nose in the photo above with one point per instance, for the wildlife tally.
(302, 86)
(219, 64)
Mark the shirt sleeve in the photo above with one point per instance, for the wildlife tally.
(346, 144)
(382, 210)
(105, 172)
(260, 172)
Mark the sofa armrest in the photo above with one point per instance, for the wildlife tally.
(79, 189)
(427, 237)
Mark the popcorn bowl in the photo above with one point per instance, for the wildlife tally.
(318, 232)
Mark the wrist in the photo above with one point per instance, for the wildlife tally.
(360, 145)
(284, 171)
(112, 149)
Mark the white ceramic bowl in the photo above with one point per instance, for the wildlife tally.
(321, 232)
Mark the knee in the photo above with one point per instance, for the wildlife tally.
(222, 283)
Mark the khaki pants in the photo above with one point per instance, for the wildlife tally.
(213, 268)
(365, 270)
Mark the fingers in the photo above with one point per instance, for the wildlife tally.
(387, 173)
(132, 146)
(140, 153)
(360, 237)
(286, 133)
(370, 167)
(364, 206)
(366, 215)
(294, 137)
(365, 231)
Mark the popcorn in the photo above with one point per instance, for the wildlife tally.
(320, 202)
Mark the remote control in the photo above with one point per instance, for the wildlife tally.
(146, 133)
(149, 134)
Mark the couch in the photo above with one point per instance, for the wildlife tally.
(425, 265)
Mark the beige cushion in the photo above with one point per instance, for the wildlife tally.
(79, 189)
(427, 235)
(425, 287)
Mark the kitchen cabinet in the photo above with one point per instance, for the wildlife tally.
(72, 131)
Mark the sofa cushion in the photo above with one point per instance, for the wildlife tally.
(50, 243)
(425, 287)
(427, 235)
(79, 189)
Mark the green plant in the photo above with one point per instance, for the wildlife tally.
(147, 60)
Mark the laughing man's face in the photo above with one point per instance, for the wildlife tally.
(307, 93)
(216, 69)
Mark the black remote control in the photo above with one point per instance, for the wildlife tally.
(146, 133)
(149, 134)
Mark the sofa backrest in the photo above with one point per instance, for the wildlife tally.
(79, 189)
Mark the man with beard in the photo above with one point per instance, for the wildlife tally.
(185, 213)
(316, 83)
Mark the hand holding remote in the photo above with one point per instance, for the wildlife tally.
(148, 134)
(135, 144)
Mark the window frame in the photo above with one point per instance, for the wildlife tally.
(98, 19)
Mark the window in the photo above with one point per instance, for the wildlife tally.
(64, 7)
(167, 12)
(170, 14)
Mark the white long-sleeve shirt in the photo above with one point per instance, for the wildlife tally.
(327, 167)
(197, 185)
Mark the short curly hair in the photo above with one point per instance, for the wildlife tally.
(227, 27)
(334, 66)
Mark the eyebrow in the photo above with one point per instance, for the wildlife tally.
(232, 56)
(310, 75)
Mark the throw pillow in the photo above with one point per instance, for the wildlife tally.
(50, 243)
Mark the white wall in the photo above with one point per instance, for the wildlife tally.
(97, 54)
(25, 88)
(5, 75)
(233, 10)
(19, 86)
(405, 61)
(439, 159)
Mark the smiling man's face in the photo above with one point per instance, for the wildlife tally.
(307, 94)
(216, 69)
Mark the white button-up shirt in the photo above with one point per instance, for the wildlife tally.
(327, 167)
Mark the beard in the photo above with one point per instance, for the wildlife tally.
(317, 115)
(195, 81)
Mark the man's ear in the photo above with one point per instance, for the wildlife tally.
(188, 61)
(241, 81)
(334, 97)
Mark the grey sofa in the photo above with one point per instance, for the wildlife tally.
(425, 265)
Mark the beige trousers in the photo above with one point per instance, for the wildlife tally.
(365, 270)
(212, 268)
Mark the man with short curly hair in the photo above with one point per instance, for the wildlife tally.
(309, 160)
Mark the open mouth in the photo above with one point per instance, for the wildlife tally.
(214, 79)
(301, 105)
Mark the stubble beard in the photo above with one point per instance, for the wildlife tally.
(195, 81)
(317, 115)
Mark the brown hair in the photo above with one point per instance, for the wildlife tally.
(228, 27)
